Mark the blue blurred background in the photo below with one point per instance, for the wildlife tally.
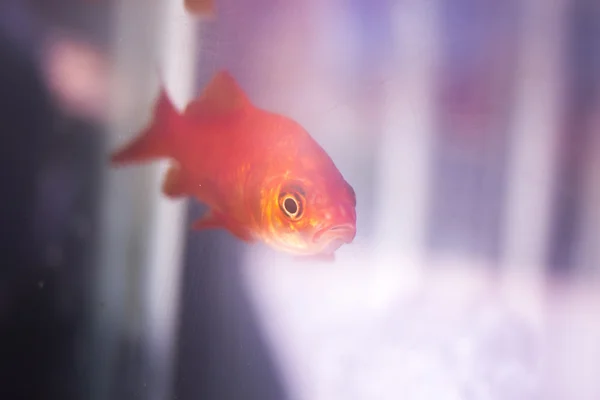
(470, 130)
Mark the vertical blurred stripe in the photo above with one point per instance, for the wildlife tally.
(532, 154)
(166, 241)
(590, 248)
(116, 301)
(403, 171)
(137, 294)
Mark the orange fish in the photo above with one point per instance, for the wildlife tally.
(262, 176)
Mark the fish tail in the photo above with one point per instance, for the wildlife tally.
(156, 140)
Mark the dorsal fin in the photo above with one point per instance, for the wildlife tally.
(221, 96)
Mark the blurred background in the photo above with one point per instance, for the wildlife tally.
(469, 129)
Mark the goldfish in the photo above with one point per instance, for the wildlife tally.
(261, 175)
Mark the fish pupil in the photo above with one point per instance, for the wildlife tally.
(290, 206)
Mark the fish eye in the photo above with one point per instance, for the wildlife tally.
(292, 204)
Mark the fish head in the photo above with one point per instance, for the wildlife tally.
(310, 214)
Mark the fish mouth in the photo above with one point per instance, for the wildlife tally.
(335, 235)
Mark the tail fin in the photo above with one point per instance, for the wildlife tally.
(156, 140)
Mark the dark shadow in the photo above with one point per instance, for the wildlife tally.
(45, 249)
(221, 354)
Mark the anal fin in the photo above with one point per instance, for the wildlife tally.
(215, 220)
